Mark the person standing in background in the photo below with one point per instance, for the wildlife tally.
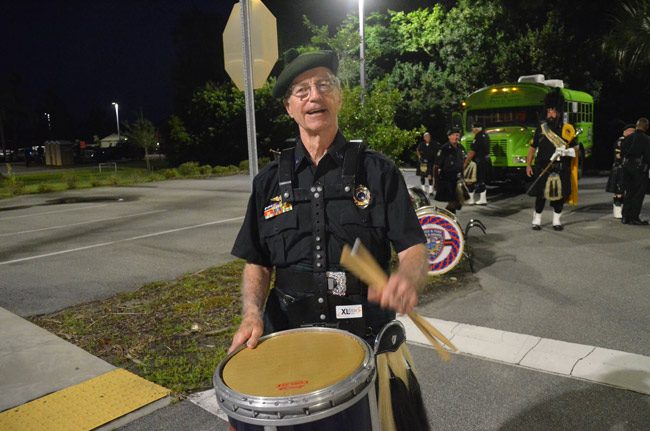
(636, 156)
(426, 152)
(615, 181)
(479, 154)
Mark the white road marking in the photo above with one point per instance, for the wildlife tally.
(624, 370)
(53, 212)
(80, 223)
(103, 244)
(604, 366)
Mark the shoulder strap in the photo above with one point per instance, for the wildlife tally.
(285, 173)
(351, 164)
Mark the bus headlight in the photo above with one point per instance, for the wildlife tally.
(519, 159)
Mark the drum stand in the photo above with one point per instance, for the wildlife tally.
(472, 223)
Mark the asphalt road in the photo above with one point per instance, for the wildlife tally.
(63, 249)
(588, 284)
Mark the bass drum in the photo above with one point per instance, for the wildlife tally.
(445, 239)
(419, 198)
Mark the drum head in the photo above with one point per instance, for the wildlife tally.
(445, 240)
(294, 363)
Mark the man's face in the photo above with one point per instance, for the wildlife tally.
(627, 132)
(454, 137)
(427, 137)
(551, 113)
(314, 101)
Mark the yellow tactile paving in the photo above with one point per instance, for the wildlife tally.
(85, 406)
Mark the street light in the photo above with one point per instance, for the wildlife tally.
(362, 51)
(48, 117)
(117, 118)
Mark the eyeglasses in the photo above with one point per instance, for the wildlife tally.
(302, 91)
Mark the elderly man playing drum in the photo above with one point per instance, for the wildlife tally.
(321, 194)
(304, 207)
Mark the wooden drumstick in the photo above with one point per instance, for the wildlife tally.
(361, 263)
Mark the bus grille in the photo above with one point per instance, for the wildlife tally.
(499, 150)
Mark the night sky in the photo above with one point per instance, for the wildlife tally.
(91, 53)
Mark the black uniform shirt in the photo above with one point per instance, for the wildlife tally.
(428, 151)
(481, 145)
(450, 159)
(636, 145)
(286, 239)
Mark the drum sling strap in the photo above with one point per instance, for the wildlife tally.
(317, 195)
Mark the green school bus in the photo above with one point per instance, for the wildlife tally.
(510, 113)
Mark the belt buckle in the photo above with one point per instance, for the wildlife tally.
(336, 282)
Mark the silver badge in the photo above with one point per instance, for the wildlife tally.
(361, 196)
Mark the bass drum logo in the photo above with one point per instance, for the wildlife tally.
(445, 240)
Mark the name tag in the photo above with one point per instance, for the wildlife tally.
(349, 311)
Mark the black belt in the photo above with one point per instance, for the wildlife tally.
(308, 282)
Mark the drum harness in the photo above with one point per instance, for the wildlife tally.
(327, 293)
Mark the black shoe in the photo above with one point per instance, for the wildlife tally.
(638, 222)
(537, 227)
(558, 227)
(624, 220)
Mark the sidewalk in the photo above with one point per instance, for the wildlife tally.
(47, 383)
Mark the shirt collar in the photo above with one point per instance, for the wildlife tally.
(336, 151)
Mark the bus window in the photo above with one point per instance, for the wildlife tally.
(503, 117)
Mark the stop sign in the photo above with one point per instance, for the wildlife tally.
(263, 40)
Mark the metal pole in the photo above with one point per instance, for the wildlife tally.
(117, 119)
(248, 88)
(362, 52)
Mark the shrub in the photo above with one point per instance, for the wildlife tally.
(220, 170)
(170, 173)
(225, 170)
(263, 161)
(44, 188)
(188, 169)
(243, 165)
(113, 180)
(205, 170)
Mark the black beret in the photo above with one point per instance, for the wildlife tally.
(453, 130)
(297, 65)
(629, 126)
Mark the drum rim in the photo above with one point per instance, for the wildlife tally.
(433, 210)
(292, 410)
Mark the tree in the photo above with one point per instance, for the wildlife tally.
(374, 120)
(177, 142)
(143, 134)
(629, 40)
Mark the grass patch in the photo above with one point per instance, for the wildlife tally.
(63, 179)
(175, 333)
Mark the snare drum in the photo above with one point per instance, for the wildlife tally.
(302, 379)
(445, 239)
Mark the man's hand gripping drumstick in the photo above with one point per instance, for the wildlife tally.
(362, 264)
